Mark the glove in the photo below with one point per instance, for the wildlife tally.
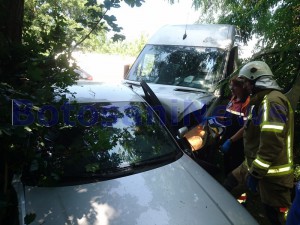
(204, 119)
(226, 146)
(252, 183)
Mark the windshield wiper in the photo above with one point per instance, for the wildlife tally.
(188, 89)
(170, 157)
(134, 83)
(136, 167)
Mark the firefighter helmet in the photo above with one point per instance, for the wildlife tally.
(254, 70)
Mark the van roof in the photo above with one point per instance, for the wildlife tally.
(204, 35)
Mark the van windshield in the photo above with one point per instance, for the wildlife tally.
(194, 67)
(109, 139)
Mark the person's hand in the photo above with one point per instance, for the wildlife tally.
(252, 183)
(226, 146)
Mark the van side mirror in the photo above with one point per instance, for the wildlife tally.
(126, 69)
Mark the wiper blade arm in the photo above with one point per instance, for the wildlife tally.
(158, 160)
(190, 90)
(134, 83)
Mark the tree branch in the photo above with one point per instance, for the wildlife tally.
(91, 31)
(272, 51)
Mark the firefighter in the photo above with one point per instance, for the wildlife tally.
(268, 143)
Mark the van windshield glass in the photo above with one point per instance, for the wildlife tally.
(194, 67)
(121, 138)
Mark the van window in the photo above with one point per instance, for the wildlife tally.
(194, 67)
(121, 138)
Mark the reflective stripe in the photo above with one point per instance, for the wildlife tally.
(277, 170)
(261, 164)
(250, 114)
(272, 126)
(243, 198)
(235, 112)
(280, 170)
(289, 150)
(265, 108)
(289, 141)
(275, 127)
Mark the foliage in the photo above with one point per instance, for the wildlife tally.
(37, 38)
(125, 48)
(116, 47)
(276, 25)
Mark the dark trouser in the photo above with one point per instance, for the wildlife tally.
(230, 182)
(274, 215)
(232, 185)
(234, 157)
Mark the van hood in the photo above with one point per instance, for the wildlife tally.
(179, 101)
(145, 198)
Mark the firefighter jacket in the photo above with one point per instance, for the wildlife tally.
(268, 137)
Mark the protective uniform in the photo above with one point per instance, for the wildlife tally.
(268, 141)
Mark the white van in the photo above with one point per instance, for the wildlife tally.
(183, 65)
(180, 72)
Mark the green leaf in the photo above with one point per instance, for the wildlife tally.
(35, 74)
(93, 167)
(79, 29)
(108, 4)
(118, 37)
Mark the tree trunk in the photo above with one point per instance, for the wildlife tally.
(14, 10)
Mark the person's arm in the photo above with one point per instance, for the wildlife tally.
(237, 136)
(227, 144)
(275, 128)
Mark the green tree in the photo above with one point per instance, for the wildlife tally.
(125, 48)
(276, 25)
(37, 38)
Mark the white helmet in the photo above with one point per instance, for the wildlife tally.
(254, 70)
